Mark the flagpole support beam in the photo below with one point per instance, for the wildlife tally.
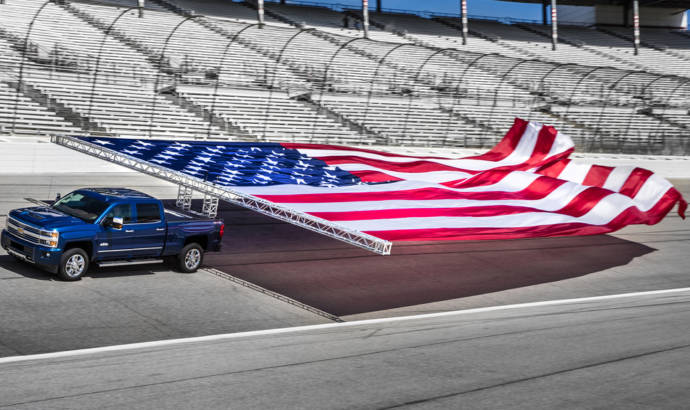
(188, 184)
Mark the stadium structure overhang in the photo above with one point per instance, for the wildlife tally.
(188, 183)
(677, 4)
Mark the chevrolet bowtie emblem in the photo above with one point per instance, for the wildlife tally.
(21, 231)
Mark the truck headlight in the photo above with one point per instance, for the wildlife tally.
(51, 238)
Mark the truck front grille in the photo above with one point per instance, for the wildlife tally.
(27, 232)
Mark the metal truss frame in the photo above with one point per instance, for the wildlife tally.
(210, 206)
(277, 211)
(184, 197)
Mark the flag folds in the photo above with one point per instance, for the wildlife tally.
(526, 186)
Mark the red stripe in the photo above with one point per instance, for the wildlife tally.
(412, 166)
(554, 170)
(545, 140)
(538, 189)
(374, 176)
(597, 176)
(482, 179)
(635, 181)
(507, 145)
(584, 201)
(629, 216)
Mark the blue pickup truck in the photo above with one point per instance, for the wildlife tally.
(108, 227)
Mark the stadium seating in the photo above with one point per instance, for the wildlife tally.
(621, 49)
(329, 21)
(29, 117)
(304, 77)
(274, 116)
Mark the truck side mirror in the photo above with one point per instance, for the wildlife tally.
(57, 197)
(117, 223)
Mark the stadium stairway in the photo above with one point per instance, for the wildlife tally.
(214, 119)
(479, 34)
(618, 32)
(20, 114)
(59, 108)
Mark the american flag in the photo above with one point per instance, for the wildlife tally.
(526, 186)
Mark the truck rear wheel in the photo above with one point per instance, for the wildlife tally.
(73, 264)
(190, 258)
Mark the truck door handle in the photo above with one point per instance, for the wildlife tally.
(129, 230)
(160, 229)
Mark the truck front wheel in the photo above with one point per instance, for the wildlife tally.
(73, 264)
(190, 258)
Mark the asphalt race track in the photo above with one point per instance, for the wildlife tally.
(617, 353)
(627, 352)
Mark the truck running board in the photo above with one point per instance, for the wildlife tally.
(125, 262)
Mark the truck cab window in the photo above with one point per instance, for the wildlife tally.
(148, 213)
(123, 211)
(85, 207)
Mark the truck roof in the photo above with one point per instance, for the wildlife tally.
(110, 194)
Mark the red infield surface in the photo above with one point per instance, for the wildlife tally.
(344, 280)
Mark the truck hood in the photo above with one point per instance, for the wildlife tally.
(45, 217)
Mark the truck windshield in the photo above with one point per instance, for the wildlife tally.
(82, 206)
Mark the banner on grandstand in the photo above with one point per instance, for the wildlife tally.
(526, 186)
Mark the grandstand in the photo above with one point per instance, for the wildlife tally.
(205, 69)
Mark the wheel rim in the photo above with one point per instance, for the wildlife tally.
(192, 259)
(75, 265)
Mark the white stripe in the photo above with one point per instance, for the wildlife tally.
(617, 178)
(652, 190)
(575, 172)
(269, 332)
(561, 144)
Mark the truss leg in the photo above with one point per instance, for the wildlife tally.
(184, 197)
(210, 207)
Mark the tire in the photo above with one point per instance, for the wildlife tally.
(190, 258)
(74, 263)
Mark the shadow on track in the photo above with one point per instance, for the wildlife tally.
(344, 280)
(30, 271)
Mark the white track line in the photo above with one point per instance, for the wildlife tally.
(159, 343)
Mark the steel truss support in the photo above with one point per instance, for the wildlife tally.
(322, 226)
(210, 207)
(184, 197)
